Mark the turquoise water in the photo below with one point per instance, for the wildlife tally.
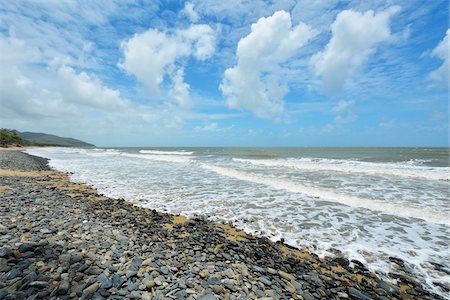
(369, 203)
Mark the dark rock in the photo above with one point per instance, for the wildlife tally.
(3, 294)
(342, 261)
(5, 251)
(357, 294)
(39, 284)
(13, 274)
(26, 247)
(388, 288)
(63, 288)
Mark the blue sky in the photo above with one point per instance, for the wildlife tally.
(227, 73)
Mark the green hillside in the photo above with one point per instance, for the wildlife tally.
(52, 140)
(14, 137)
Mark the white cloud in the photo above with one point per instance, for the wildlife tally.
(180, 89)
(440, 75)
(153, 55)
(355, 36)
(342, 106)
(189, 11)
(254, 84)
(88, 90)
(345, 114)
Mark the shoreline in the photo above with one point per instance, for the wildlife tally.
(134, 252)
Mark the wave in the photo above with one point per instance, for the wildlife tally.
(330, 196)
(165, 158)
(158, 152)
(413, 171)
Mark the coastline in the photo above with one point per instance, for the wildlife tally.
(94, 246)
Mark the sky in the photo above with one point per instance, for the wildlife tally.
(227, 73)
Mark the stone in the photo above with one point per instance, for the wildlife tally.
(90, 290)
(13, 274)
(5, 251)
(117, 281)
(63, 288)
(26, 247)
(165, 270)
(39, 284)
(207, 297)
(265, 280)
(149, 283)
(357, 294)
(286, 276)
(388, 288)
(342, 261)
(226, 256)
(105, 282)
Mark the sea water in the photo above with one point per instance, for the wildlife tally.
(367, 203)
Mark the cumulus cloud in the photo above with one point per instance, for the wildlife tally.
(440, 75)
(255, 83)
(88, 90)
(189, 11)
(153, 56)
(355, 36)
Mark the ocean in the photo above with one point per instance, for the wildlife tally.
(367, 203)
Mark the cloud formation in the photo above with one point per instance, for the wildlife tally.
(440, 75)
(189, 11)
(88, 90)
(255, 84)
(355, 36)
(154, 55)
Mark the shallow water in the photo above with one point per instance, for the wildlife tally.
(369, 203)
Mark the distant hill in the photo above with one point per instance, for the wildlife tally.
(14, 137)
(52, 140)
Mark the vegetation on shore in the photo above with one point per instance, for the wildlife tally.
(11, 137)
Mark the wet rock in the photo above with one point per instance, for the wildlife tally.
(388, 288)
(357, 294)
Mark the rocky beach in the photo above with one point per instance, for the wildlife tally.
(62, 240)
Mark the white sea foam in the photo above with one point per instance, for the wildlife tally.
(165, 157)
(328, 195)
(158, 152)
(347, 166)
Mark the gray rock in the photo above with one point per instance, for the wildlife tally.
(265, 280)
(13, 274)
(207, 297)
(105, 282)
(25, 247)
(357, 294)
(63, 288)
(165, 270)
(226, 256)
(388, 288)
(5, 251)
(286, 276)
(90, 290)
(39, 284)
(117, 281)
